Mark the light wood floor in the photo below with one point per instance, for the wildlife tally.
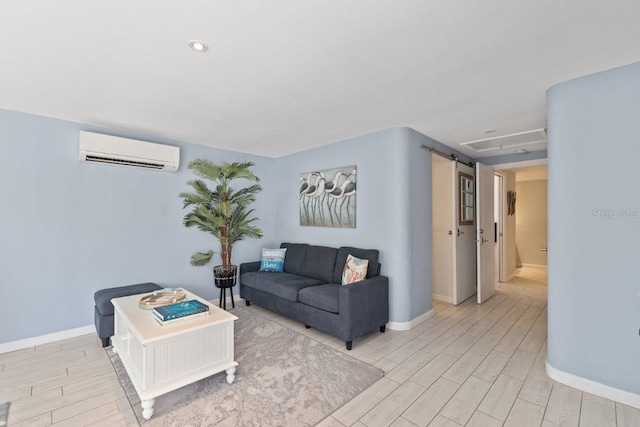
(473, 365)
(65, 383)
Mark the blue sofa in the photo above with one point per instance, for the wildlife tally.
(310, 291)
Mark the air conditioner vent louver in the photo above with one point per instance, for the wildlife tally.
(113, 150)
(146, 165)
(535, 139)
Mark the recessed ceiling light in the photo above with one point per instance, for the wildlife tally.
(198, 46)
(489, 130)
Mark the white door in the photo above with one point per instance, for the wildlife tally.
(485, 232)
(443, 208)
(465, 247)
(498, 218)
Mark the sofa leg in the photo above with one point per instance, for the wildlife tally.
(383, 328)
(307, 326)
(247, 302)
(349, 345)
(105, 341)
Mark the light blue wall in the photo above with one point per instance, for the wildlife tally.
(418, 179)
(68, 228)
(594, 274)
(381, 210)
(393, 208)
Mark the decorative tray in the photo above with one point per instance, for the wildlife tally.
(162, 297)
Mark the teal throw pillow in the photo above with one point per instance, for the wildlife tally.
(272, 259)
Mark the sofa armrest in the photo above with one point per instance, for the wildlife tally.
(249, 266)
(365, 304)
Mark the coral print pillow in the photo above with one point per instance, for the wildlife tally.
(355, 270)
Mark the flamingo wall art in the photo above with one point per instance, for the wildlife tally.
(328, 198)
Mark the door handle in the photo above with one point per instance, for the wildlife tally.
(544, 249)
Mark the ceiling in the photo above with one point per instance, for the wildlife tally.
(281, 76)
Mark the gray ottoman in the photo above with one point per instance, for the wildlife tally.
(103, 311)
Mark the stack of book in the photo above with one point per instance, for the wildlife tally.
(178, 311)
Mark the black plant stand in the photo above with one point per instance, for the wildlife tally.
(225, 279)
(223, 297)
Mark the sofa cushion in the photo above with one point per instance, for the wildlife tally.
(283, 285)
(343, 252)
(324, 297)
(319, 262)
(103, 297)
(294, 258)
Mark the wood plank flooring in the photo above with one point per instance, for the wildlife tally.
(479, 365)
(65, 383)
(470, 365)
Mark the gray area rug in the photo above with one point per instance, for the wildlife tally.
(283, 379)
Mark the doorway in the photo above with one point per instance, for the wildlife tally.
(498, 187)
(454, 247)
(522, 263)
(443, 208)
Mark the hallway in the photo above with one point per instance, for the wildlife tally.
(529, 282)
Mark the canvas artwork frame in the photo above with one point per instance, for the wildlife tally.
(328, 197)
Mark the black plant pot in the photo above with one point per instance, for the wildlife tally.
(225, 278)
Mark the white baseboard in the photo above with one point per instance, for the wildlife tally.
(593, 387)
(533, 266)
(71, 333)
(405, 326)
(45, 339)
(509, 277)
(443, 298)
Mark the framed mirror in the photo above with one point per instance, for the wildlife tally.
(466, 205)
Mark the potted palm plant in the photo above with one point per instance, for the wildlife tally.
(222, 212)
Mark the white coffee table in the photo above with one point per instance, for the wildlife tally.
(160, 359)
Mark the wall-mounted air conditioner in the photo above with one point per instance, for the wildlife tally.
(113, 150)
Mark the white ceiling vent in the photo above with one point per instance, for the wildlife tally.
(113, 150)
(528, 141)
